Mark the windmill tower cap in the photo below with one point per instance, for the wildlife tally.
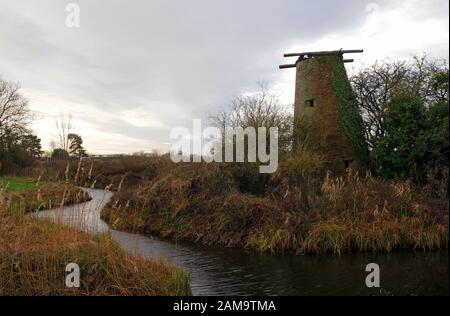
(307, 55)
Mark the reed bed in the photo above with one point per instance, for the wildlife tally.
(299, 209)
(35, 252)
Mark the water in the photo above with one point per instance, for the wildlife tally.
(224, 271)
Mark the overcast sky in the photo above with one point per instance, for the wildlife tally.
(135, 69)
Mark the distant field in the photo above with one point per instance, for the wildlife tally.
(16, 184)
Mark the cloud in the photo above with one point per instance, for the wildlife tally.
(134, 70)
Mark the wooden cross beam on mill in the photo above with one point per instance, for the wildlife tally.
(327, 120)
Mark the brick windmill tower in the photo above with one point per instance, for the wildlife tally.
(326, 119)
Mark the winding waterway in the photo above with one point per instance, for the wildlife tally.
(224, 271)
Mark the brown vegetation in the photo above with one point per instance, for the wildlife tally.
(300, 209)
(34, 253)
(51, 195)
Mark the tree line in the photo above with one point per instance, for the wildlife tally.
(19, 146)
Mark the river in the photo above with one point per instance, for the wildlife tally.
(225, 271)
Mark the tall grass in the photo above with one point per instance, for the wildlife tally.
(52, 195)
(299, 209)
(294, 213)
(34, 253)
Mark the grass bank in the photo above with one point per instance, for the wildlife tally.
(300, 209)
(22, 195)
(34, 253)
(13, 184)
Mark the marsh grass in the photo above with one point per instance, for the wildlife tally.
(296, 212)
(299, 209)
(34, 252)
(48, 196)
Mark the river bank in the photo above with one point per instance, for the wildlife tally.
(284, 214)
(301, 209)
(21, 195)
(34, 251)
(230, 271)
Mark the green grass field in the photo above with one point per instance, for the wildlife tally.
(16, 184)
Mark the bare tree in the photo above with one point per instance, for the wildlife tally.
(18, 146)
(378, 84)
(14, 112)
(64, 128)
(259, 109)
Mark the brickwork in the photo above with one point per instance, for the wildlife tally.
(316, 105)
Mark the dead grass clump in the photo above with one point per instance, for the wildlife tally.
(52, 195)
(34, 254)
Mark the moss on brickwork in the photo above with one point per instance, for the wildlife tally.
(351, 120)
(332, 125)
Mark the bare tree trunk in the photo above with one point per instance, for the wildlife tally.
(64, 128)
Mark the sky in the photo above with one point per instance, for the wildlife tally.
(133, 70)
